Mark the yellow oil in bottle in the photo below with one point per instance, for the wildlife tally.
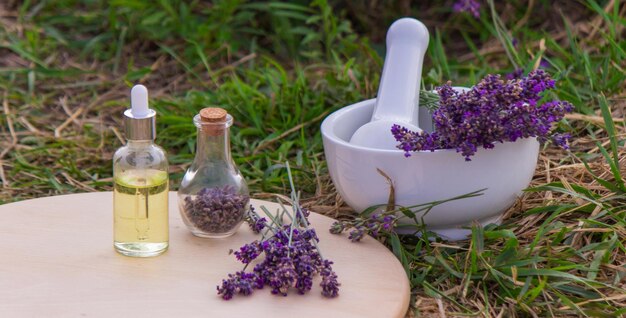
(140, 204)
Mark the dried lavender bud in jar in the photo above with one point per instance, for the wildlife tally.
(216, 210)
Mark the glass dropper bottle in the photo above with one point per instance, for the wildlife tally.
(213, 196)
(141, 183)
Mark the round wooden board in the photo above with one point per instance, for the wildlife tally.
(58, 261)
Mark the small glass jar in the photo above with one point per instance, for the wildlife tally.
(213, 196)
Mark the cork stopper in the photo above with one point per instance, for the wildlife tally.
(213, 115)
(214, 121)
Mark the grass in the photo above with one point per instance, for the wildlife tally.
(67, 66)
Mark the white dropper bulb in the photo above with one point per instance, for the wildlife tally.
(139, 101)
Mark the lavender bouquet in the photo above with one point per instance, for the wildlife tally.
(292, 258)
(495, 110)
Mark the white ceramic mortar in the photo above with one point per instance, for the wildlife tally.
(427, 176)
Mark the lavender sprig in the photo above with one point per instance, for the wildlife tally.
(287, 256)
(382, 224)
(256, 223)
(239, 283)
(493, 111)
(374, 225)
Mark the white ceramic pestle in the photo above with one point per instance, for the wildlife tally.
(398, 93)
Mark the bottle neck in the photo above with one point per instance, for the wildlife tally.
(212, 146)
(139, 143)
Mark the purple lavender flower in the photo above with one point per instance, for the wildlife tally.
(357, 234)
(256, 223)
(516, 74)
(492, 111)
(240, 283)
(330, 286)
(305, 213)
(388, 222)
(306, 268)
(337, 227)
(248, 252)
(310, 235)
(284, 276)
(291, 261)
(304, 283)
(561, 140)
(373, 225)
(259, 225)
(470, 6)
